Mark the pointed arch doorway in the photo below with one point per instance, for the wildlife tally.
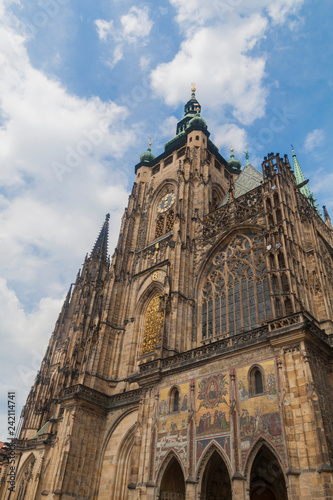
(267, 480)
(216, 483)
(173, 483)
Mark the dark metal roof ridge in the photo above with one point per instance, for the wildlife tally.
(182, 142)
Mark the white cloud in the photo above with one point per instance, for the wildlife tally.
(144, 62)
(314, 140)
(104, 28)
(117, 56)
(25, 337)
(280, 9)
(135, 29)
(54, 147)
(217, 61)
(168, 127)
(136, 24)
(229, 135)
(225, 10)
(220, 52)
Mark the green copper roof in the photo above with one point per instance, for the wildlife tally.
(42, 430)
(147, 156)
(173, 140)
(233, 163)
(248, 179)
(197, 120)
(191, 108)
(304, 189)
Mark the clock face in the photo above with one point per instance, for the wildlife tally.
(166, 202)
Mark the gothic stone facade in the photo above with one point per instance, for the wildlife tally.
(198, 363)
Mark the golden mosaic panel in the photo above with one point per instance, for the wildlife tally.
(172, 426)
(259, 414)
(212, 404)
(153, 325)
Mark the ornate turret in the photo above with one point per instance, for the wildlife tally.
(147, 156)
(192, 108)
(233, 163)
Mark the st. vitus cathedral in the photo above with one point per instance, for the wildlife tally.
(197, 363)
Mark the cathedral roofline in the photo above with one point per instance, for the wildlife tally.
(192, 120)
(180, 141)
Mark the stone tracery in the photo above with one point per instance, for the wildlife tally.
(236, 291)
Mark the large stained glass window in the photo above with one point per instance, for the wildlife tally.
(236, 291)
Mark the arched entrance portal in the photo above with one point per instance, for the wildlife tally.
(216, 482)
(173, 483)
(267, 480)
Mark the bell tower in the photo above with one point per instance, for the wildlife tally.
(173, 192)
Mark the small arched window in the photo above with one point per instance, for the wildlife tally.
(278, 308)
(256, 382)
(282, 264)
(275, 284)
(278, 216)
(285, 283)
(259, 389)
(288, 306)
(174, 400)
(271, 261)
(268, 204)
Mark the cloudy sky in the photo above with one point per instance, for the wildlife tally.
(84, 83)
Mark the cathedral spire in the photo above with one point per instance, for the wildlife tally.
(300, 179)
(327, 218)
(100, 250)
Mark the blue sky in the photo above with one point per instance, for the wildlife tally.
(85, 83)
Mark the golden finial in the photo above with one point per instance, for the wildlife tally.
(149, 143)
(193, 89)
(232, 149)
